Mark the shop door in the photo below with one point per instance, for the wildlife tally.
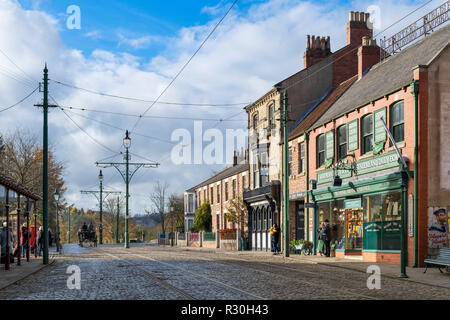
(354, 229)
(300, 221)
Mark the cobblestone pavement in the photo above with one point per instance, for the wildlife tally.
(165, 273)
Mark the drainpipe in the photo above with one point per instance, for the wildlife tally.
(306, 139)
(415, 92)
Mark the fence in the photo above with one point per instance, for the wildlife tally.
(229, 239)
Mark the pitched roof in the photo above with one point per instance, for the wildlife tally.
(225, 173)
(17, 187)
(322, 107)
(392, 73)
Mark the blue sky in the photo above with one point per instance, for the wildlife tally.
(105, 24)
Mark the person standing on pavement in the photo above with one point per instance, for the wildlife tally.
(40, 239)
(24, 239)
(50, 237)
(3, 238)
(326, 237)
(320, 244)
(275, 236)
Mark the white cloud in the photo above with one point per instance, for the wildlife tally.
(249, 53)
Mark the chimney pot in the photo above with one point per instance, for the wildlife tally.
(328, 46)
(318, 43)
(308, 42)
(356, 16)
(367, 17)
(362, 16)
(313, 42)
(351, 16)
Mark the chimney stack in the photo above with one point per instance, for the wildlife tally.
(368, 55)
(357, 27)
(317, 48)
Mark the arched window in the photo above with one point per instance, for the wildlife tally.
(367, 134)
(255, 122)
(342, 142)
(398, 121)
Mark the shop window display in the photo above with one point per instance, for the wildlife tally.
(382, 221)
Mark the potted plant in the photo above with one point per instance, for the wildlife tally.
(333, 250)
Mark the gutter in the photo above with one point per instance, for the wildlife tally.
(415, 92)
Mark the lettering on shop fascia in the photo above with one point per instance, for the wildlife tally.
(373, 164)
(298, 195)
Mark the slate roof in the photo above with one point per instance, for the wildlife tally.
(392, 73)
(322, 107)
(225, 173)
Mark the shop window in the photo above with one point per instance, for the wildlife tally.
(342, 142)
(367, 134)
(320, 146)
(324, 213)
(397, 122)
(382, 221)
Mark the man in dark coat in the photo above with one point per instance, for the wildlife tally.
(325, 235)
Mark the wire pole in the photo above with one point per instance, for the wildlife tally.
(45, 107)
(286, 176)
(118, 220)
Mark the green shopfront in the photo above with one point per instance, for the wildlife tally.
(365, 212)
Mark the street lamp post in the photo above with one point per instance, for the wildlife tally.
(100, 228)
(68, 231)
(56, 197)
(127, 144)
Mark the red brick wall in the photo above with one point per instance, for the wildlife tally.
(407, 149)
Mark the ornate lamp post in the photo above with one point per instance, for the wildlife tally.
(100, 228)
(56, 197)
(127, 144)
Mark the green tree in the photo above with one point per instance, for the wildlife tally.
(237, 213)
(202, 220)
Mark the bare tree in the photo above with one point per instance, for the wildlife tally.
(158, 199)
(176, 212)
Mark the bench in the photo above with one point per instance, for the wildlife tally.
(443, 259)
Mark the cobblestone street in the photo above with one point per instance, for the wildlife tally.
(156, 273)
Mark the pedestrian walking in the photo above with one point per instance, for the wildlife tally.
(275, 236)
(40, 239)
(50, 237)
(24, 239)
(320, 243)
(326, 237)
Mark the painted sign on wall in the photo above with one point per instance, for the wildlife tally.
(438, 228)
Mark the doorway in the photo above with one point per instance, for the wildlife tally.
(299, 221)
(354, 229)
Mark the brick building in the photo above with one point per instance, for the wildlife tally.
(218, 191)
(353, 166)
(322, 74)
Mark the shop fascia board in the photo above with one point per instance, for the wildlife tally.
(395, 178)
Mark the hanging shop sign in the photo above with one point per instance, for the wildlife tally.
(353, 203)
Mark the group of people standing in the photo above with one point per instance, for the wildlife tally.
(324, 243)
(24, 239)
